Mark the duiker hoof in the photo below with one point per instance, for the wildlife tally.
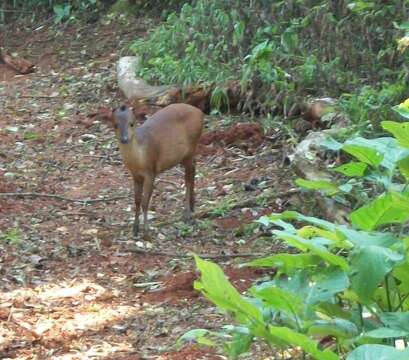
(188, 218)
(135, 229)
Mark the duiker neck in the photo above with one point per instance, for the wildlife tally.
(132, 153)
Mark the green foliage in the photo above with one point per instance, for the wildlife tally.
(347, 282)
(280, 51)
(62, 13)
(323, 185)
(373, 351)
(12, 235)
(222, 208)
(370, 104)
(63, 10)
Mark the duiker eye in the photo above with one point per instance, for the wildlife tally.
(132, 124)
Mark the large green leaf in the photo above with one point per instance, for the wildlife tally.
(352, 169)
(364, 154)
(239, 345)
(391, 208)
(294, 215)
(293, 338)
(385, 333)
(287, 263)
(278, 299)
(215, 286)
(339, 328)
(317, 287)
(304, 245)
(402, 111)
(378, 352)
(401, 273)
(396, 320)
(404, 167)
(387, 147)
(199, 336)
(369, 265)
(358, 238)
(363, 238)
(335, 239)
(399, 130)
(322, 185)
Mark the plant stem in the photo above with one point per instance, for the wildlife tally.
(388, 295)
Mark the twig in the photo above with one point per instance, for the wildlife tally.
(38, 96)
(63, 198)
(243, 204)
(188, 255)
(168, 182)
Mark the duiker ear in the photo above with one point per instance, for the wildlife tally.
(140, 113)
(105, 114)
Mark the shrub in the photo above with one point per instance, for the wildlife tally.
(279, 51)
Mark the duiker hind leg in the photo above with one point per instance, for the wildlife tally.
(190, 170)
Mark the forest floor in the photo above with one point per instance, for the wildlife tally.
(74, 283)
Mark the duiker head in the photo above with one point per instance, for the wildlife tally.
(124, 122)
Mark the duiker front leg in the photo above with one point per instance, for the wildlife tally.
(138, 188)
(146, 197)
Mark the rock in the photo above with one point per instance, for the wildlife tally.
(307, 164)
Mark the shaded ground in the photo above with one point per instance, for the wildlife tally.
(72, 284)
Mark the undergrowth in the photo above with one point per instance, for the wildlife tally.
(281, 51)
(345, 293)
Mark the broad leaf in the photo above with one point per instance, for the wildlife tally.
(358, 238)
(396, 320)
(363, 238)
(369, 265)
(339, 328)
(199, 336)
(404, 167)
(387, 147)
(215, 286)
(287, 263)
(404, 112)
(378, 352)
(304, 245)
(323, 185)
(364, 154)
(352, 169)
(240, 343)
(293, 338)
(385, 333)
(278, 299)
(330, 144)
(399, 130)
(335, 238)
(391, 208)
(315, 288)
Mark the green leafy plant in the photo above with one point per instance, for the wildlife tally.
(12, 235)
(346, 284)
(279, 54)
(62, 13)
(222, 208)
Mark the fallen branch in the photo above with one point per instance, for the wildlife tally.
(188, 255)
(20, 65)
(63, 198)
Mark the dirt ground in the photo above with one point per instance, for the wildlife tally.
(74, 283)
